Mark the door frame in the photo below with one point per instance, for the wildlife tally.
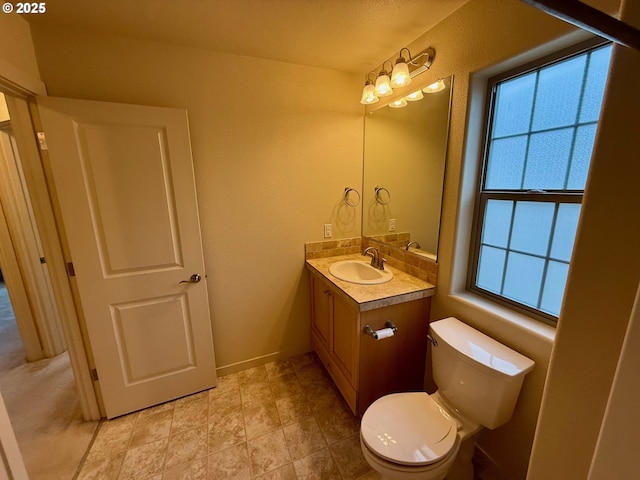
(21, 88)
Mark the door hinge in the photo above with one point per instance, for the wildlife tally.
(94, 374)
(42, 260)
(70, 270)
(42, 141)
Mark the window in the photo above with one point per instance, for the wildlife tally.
(541, 125)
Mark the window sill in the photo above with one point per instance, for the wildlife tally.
(503, 315)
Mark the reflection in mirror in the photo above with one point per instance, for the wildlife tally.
(404, 162)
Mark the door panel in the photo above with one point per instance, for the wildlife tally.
(124, 181)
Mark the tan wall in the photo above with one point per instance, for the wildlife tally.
(16, 47)
(271, 161)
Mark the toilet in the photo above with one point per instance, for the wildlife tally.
(417, 436)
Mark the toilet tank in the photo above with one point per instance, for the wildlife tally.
(476, 374)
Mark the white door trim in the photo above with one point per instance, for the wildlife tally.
(54, 253)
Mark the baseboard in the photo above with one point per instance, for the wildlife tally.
(261, 360)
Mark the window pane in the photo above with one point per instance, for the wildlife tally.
(490, 269)
(548, 160)
(558, 94)
(565, 231)
(497, 223)
(513, 106)
(523, 279)
(581, 157)
(554, 287)
(532, 227)
(594, 88)
(506, 163)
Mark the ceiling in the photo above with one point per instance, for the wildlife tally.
(347, 35)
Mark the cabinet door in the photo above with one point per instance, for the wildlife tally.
(322, 306)
(345, 338)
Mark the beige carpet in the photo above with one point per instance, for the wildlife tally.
(43, 406)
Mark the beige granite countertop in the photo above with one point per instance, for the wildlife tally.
(402, 287)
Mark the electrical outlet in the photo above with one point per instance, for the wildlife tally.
(328, 233)
(392, 224)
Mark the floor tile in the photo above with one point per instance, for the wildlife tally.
(152, 427)
(301, 361)
(319, 466)
(226, 431)
(144, 461)
(285, 386)
(223, 404)
(283, 473)
(348, 457)
(230, 464)
(105, 468)
(252, 375)
(337, 424)
(186, 446)
(293, 409)
(260, 418)
(277, 369)
(226, 384)
(196, 470)
(268, 452)
(260, 389)
(304, 438)
(190, 414)
(113, 436)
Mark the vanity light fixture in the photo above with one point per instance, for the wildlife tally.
(368, 92)
(383, 83)
(401, 102)
(400, 76)
(435, 87)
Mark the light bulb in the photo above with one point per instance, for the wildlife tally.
(368, 94)
(383, 85)
(400, 76)
(434, 87)
(415, 96)
(398, 103)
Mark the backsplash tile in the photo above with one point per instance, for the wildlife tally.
(391, 247)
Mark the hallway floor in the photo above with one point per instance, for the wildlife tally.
(284, 420)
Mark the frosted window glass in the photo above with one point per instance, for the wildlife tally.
(558, 95)
(548, 160)
(565, 231)
(581, 157)
(506, 163)
(554, 284)
(594, 88)
(513, 106)
(497, 223)
(490, 269)
(523, 278)
(532, 227)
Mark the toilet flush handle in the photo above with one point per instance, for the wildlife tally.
(433, 341)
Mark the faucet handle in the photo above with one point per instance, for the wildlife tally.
(381, 261)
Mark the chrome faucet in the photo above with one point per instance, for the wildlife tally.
(376, 260)
(417, 245)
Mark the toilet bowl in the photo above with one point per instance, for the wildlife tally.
(417, 436)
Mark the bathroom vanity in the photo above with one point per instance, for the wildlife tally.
(362, 367)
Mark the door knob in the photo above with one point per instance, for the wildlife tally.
(195, 278)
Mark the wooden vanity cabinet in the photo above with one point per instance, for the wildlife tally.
(362, 368)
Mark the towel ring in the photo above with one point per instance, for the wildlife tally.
(379, 198)
(345, 198)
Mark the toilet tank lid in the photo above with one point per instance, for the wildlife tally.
(481, 348)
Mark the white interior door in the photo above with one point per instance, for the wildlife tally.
(124, 181)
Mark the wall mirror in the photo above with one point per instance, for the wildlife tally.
(404, 163)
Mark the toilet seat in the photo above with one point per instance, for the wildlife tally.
(408, 429)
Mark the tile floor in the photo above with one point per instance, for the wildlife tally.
(284, 420)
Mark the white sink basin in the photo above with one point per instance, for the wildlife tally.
(359, 271)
